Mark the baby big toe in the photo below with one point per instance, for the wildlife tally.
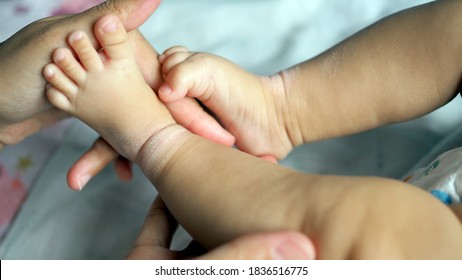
(113, 38)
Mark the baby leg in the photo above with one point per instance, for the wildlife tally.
(107, 90)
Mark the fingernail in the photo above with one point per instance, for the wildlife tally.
(83, 181)
(49, 72)
(59, 55)
(291, 250)
(110, 26)
(165, 90)
(76, 36)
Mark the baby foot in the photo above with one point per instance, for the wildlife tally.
(106, 90)
(28, 51)
(246, 104)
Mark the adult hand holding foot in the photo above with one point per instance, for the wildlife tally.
(23, 107)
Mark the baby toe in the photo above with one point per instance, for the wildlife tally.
(59, 99)
(113, 38)
(59, 84)
(56, 77)
(85, 51)
(64, 59)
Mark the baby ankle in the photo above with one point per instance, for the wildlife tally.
(158, 150)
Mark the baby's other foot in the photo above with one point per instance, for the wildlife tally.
(106, 90)
(245, 104)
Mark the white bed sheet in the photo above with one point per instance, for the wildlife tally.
(263, 36)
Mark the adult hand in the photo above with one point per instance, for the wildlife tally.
(16, 132)
(93, 161)
(156, 236)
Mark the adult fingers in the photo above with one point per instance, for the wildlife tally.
(11, 134)
(132, 13)
(123, 168)
(156, 234)
(283, 245)
(91, 163)
(188, 113)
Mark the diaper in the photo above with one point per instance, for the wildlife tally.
(442, 177)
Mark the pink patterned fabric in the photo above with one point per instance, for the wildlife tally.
(12, 194)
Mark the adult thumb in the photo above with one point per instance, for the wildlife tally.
(284, 245)
(132, 13)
